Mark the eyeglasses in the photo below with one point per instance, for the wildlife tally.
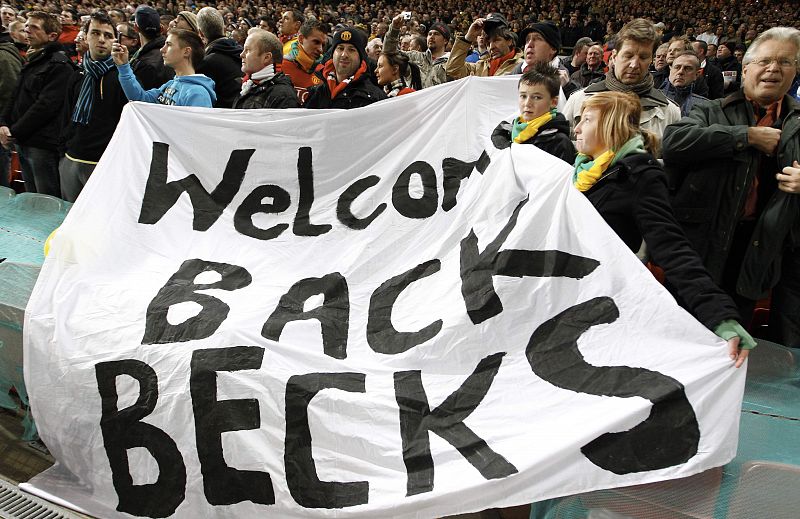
(782, 62)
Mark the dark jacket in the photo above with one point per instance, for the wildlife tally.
(10, 66)
(586, 76)
(732, 69)
(88, 142)
(552, 137)
(712, 167)
(223, 64)
(633, 199)
(360, 92)
(148, 65)
(278, 92)
(34, 117)
(713, 76)
(685, 97)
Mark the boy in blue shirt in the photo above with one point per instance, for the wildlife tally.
(182, 51)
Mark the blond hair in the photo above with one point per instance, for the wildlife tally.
(618, 122)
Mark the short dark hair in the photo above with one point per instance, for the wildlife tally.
(103, 18)
(73, 13)
(397, 59)
(311, 25)
(542, 74)
(190, 39)
(50, 23)
(703, 45)
(506, 34)
(298, 16)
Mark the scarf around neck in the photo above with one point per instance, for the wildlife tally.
(394, 88)
(640, 88)
(93, 73)
(265, 74)
(330, 74)
(589, 170)
(495, 63)
(523, 131)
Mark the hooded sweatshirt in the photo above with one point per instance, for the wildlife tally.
(194, 90)
(223, 64)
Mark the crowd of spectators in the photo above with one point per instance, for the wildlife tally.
(668, 72)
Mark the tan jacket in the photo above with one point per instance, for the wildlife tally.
(431, 71)
(457, 68)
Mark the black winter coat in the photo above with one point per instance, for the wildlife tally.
(223, 64)
(633, 199)
(360, 92)
(88, 142)
(34, 116)
(278, 92)
(552, 137)
(148, 65)
(716, 84)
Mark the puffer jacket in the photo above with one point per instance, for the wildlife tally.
(278, 92)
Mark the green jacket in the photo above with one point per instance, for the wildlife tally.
(10, 65)
(712, 166)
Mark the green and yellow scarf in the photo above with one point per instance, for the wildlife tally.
(589, 170)
(522, 131)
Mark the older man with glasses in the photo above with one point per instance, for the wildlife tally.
(737, 180)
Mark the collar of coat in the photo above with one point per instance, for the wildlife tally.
(791, 104)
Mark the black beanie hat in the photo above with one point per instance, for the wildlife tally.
(354, 37)
(549, 32)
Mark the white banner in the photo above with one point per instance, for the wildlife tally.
(371, 313)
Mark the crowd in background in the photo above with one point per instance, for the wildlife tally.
(607, 86)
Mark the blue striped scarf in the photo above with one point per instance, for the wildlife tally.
(93, 72)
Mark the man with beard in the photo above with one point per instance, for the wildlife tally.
(94, 107)
(502, 57)
(346, 83)
(431, 63)
(302, 62)
(632, 55)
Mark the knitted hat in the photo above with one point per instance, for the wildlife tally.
(549, 32)
(147, 20)
(190, 18)
(441, 29)
(353, 36)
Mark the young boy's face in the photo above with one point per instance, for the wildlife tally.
(535, 100)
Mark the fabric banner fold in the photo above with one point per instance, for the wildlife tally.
(372, 313)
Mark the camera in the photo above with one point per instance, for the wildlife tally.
(407, 15)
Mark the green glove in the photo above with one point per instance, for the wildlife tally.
(729, 329)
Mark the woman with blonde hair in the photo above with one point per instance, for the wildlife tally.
(618, 173)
